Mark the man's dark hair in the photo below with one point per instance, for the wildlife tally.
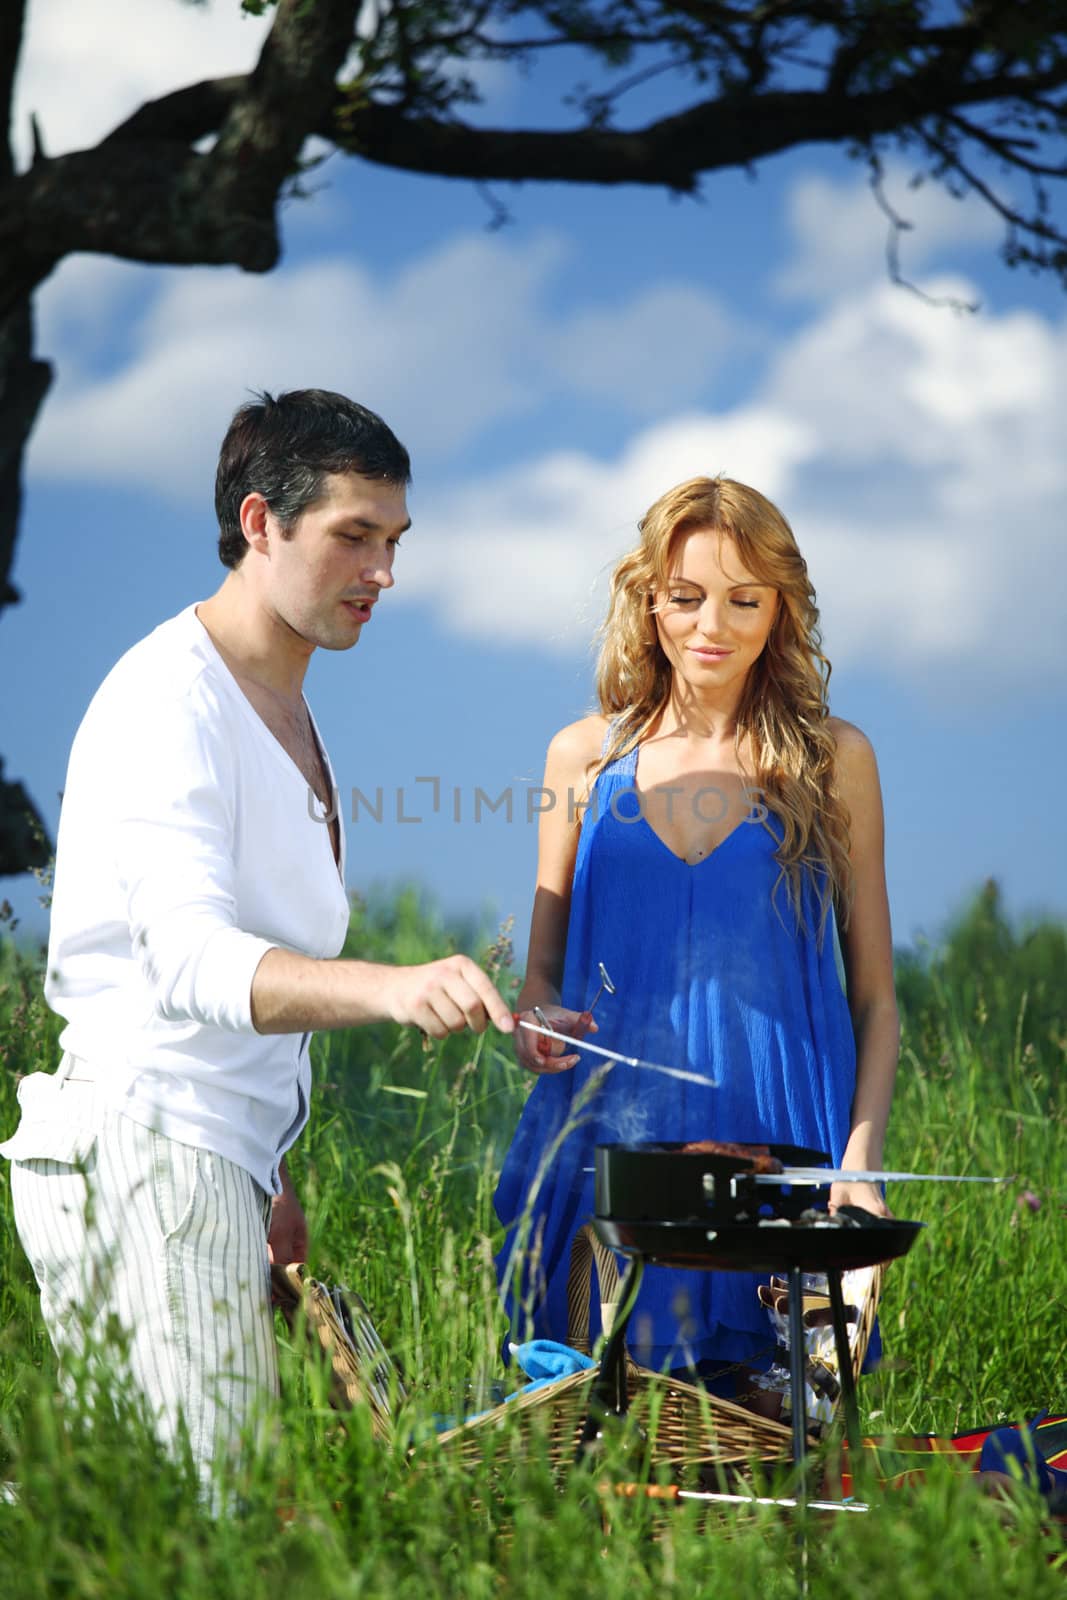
(285, 448)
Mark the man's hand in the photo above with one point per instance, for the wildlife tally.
(441, 997)
(287, 1240)
(292, 993)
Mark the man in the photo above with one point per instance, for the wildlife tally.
(198, 914)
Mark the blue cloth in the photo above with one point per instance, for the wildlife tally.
(543, 1360)
(715, 975)
(546, 1361)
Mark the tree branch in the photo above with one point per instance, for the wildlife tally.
(292, 85)
(1010, 151)
(898, 226)
(673, 151)
(1016, 220)
(144, 194)
(134, 201)
(183, 116)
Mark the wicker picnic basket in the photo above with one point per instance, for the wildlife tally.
(337, 1322)
(685, 1427)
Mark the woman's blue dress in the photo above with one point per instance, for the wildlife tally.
(711, 975)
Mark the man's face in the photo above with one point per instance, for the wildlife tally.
(323, 580)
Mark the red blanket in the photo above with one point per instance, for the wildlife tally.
(900, 1460)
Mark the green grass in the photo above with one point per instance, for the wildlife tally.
(397, 1170)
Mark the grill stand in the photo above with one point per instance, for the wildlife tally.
(797, 1385)
(608, 1397)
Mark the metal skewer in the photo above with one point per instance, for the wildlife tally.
(819, 1176)
(652, 1491)
(605, 983)
(627, 1061)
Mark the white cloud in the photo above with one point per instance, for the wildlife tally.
(918, 456)
(206, 339)
(86, 66)
(918, 453)
(524, 556)
(84, 307)
(665, 345)
(446, 346)
(880, 362)
(841, 235)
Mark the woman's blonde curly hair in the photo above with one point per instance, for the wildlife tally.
(784, 709)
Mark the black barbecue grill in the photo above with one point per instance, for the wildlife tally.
(732, 1208)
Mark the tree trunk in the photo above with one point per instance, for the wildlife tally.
(147, 201)
(24, 382)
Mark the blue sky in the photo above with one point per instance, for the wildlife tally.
(551, 378)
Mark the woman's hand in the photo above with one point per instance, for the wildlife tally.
(867, 1195)
(541, 1055)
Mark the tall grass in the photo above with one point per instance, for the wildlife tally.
(397, 1169)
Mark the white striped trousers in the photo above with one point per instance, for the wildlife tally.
(172, 1242)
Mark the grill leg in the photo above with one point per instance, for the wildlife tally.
(608, 1396)
(796, 1373)
(798, 1395)
(844, 1360)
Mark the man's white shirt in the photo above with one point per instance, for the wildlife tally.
(189, 845)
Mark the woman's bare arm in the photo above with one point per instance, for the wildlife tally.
(572, 753)
(867, 948)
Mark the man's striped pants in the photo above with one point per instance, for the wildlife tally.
(169, 1240)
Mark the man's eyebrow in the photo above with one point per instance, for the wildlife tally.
(369, 524)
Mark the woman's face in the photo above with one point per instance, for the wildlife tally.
(714, 617)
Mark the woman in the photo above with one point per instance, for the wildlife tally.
(731, 829)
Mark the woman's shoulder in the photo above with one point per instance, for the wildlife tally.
(847, 737)
(581, 741)
(573, 753)
(857, 768)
